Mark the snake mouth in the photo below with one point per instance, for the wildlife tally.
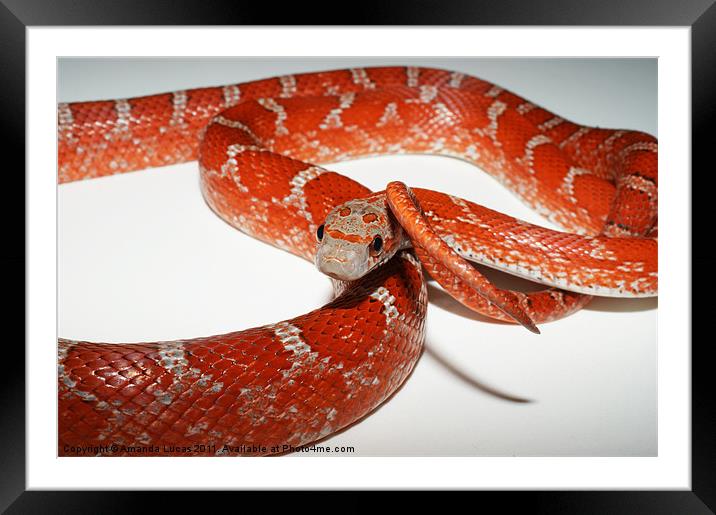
(342, 268)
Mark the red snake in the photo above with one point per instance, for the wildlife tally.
(257, 391)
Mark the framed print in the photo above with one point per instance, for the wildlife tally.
(424, 395)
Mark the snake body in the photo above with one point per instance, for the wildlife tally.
(261, 390)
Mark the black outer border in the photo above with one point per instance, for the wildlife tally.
(16, 15)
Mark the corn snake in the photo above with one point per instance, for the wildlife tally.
(172, 356)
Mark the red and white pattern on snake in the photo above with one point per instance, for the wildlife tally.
(289, 383)
(353, 353)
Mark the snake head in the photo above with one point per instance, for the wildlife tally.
(357, 237)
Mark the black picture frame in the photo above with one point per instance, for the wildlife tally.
(17, 15)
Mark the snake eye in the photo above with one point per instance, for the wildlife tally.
(376, 246)
(319, 232)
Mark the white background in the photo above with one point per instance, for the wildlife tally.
(141, 257)
(669, 470)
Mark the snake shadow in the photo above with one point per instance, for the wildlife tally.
(471, 380)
